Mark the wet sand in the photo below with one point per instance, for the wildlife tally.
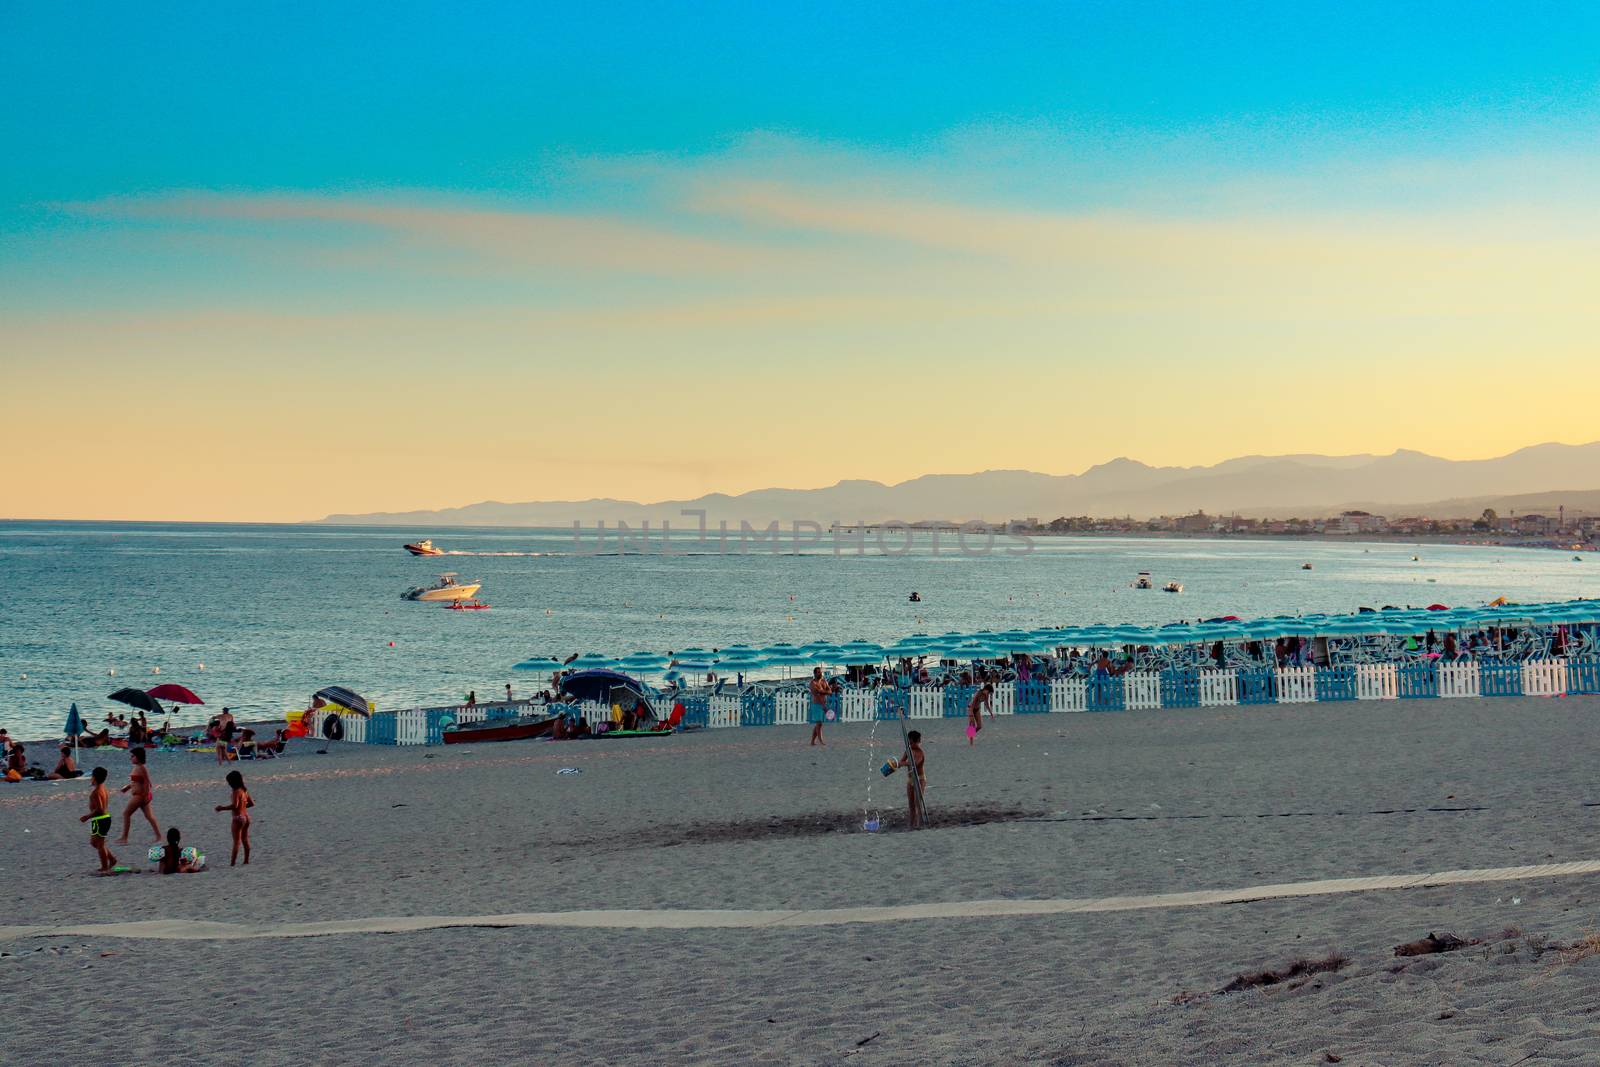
(1056, 806)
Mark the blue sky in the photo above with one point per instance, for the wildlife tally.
(483, 97)
(252, 205)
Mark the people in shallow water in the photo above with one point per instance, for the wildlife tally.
(915, 597)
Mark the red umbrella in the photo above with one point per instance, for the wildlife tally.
(1437, 607)
(175, 693)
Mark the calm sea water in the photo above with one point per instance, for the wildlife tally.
(275, 612)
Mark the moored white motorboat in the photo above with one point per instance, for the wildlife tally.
(1143, 581)
(447, 588)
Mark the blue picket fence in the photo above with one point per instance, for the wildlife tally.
(1500, 679)
(1583, 676)
(1106, 694)
(1258, 686)
(1180, 689)
(1335, 683)
(1417, 680)
(1033, 698)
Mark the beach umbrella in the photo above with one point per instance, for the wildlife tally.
(591, 661)
(74, 727)
(174, 694)
(137, 698)
(693, 664)
(343, 699)
(791, 658)
(642, 661)
(538, 663)
(860, 657)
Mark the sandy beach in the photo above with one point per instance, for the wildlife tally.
(1083, 806)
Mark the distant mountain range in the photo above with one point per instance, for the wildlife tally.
(1544, 476)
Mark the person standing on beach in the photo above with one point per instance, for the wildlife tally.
(983, 698)
(239, 804)
(99, 820)
(139, 790)
(820, 692)
(916, 780)
(225, 728)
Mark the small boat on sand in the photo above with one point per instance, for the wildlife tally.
(424, 548)
(447, 588)
(499, 730)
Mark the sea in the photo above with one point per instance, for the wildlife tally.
(257, 617)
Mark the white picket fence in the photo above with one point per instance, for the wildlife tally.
(1218, 688)
(1377, 681)
(411, 727)
(858, 705)
(789, 707)
(1141, 690)
(1297, 685)
(927, 702)
(1069, 694)
(1544, 678)
(355, 727)
(1005, 699)
(722, 712)
(1459, 680)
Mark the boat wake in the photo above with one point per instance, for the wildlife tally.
(458, 552)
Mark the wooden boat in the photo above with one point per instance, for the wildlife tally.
(518, 730)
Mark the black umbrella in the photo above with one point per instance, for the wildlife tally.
(347, 700)
(137, 698)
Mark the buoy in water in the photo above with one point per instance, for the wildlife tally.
(199, 666)
(391, 644)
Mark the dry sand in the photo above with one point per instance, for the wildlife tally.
(1125, 803)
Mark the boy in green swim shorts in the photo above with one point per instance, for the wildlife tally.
(99, 820)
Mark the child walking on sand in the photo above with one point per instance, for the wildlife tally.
(99, 820)
(239, 804)
(139, 790)
(916, 781)
(981, 700)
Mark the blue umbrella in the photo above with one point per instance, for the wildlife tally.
(74, 725)
(591, 661)
(538, 663)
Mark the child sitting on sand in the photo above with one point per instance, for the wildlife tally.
(99, 820)
(173, 858)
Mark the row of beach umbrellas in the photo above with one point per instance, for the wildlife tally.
(985, 645)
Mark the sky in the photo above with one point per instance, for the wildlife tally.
(267, 263)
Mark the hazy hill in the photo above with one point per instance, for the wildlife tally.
(1250, 485)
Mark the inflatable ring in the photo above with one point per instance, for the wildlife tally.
(333, 728)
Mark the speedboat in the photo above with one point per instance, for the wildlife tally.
(424, 548)
(1172, 587)
(1305, 566)
(1143, 581)
(447, 588)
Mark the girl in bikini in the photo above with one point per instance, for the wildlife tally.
(239, 804)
